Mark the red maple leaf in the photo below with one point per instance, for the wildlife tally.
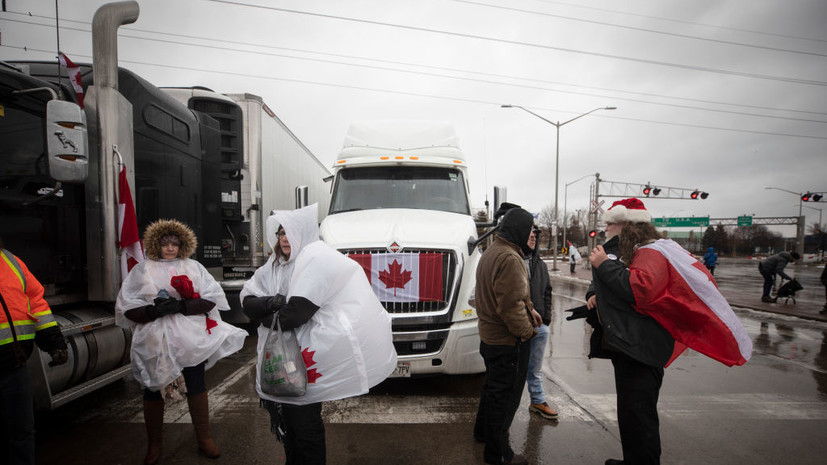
(313, 375)
(211, 324)
(307, 356)
(395, 277)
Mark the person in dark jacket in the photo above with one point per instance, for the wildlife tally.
(506, 321)
(637, 345)
(540, 287)
(26, 321)
(771, 266)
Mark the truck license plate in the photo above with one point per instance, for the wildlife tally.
(402, 370)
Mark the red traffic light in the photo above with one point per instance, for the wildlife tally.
(646, 190)
(694, 194)
(592, 233)
(806, 197)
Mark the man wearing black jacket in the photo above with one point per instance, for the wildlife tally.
(637, 345)
(540, 288)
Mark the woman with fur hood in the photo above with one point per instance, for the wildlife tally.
(171, 304)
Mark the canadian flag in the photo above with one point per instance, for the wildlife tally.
(675, 289)
(74, 76)
(403, 277)
(128, 240)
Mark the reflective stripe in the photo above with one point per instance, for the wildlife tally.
(15, 267)
(25, 337)
(44, 317)
(44, 326)
(24, 330)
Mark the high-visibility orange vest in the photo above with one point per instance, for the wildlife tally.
(25, 311)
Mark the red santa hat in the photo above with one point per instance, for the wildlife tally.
(628, 210)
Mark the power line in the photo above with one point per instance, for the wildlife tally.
(651, 31)
(532, 45)
(674, 105)
(691, 23)
(418, 94)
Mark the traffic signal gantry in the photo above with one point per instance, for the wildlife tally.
(672, 192)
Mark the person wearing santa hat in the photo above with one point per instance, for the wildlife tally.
(638, 346)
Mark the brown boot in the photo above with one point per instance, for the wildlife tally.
(200, 413)
(154, 420)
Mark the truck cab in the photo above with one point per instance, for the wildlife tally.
(400, 209)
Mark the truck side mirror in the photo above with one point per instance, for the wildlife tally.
(67, 141)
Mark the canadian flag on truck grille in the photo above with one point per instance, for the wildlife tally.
(404, 277)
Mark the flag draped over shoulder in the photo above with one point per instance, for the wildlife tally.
(675, 289)
(74, 76)
(128, 240)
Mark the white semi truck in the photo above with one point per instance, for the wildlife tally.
(400, 208)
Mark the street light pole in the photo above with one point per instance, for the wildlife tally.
(800, 232)
(556, 170)
(565, 203)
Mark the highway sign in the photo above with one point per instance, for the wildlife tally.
(744, 221)
(681, 222)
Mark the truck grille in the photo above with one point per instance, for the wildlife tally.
(393, 275)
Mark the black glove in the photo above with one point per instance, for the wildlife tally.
(168, 306)
(59, 357)
(277, 302)
(578, 312)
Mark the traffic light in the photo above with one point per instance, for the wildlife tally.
(806, 197)
(817, 197)
(592, 233)
(656, 191)
(704, 195)
(646, 190)
(694, 194)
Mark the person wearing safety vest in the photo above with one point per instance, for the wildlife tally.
(26, 320)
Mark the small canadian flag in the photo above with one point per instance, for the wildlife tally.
(403, 277)
(74, 76)
(128, 240)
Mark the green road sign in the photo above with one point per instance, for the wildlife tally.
(744, 221)
(681, 222)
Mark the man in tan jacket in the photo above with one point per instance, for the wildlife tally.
(506, 326)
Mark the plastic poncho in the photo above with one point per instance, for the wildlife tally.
(347, 345)
(164, 346)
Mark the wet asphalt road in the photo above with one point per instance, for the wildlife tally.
(772, 410)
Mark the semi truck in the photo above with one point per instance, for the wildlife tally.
(275, 171)
(400, 208)
(59, 168)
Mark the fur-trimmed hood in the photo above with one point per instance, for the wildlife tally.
(160, 228)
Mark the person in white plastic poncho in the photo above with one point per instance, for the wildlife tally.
(172, 305)
(343, 331)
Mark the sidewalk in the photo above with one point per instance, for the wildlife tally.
(737, 296)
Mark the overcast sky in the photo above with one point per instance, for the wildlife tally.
(727, 96)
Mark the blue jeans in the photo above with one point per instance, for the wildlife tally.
(534, 378)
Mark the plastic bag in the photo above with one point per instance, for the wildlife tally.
(283, 372)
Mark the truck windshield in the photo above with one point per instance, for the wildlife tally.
(425, 188)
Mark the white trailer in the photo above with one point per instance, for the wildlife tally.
(266, 168)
